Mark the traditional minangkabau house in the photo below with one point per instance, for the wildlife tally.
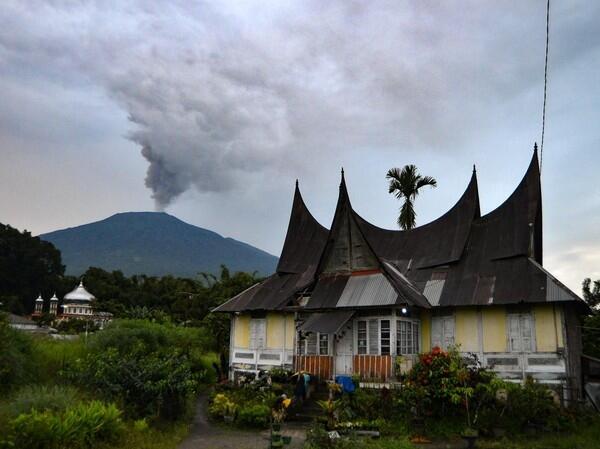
(351, 299)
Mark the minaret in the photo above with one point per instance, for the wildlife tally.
(53, 305)
(39, 305)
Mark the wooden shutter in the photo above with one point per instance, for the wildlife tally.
(437, 329)
(448, 339)
(258, 333)
(525, 323)
(514, 333)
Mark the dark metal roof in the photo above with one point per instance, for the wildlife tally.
(304, 241)
(494, 259)
(271, 294)
(326, 323)
(439, 242)
(327, 291)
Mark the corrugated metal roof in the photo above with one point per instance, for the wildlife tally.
(433, 290)
(368, 290)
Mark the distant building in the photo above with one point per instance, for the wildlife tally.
(77, 304)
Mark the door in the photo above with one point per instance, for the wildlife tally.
(343, 351)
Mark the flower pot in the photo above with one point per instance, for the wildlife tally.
(287, 439)
(276, 427)
(471, 440)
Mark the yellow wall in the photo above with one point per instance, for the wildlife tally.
(290, 330)
(466, 332)
(545, 329)
(425, 331)
(241, 328)
(275, 330)
(559, 325)
(494, 329)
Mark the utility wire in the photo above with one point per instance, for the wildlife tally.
(545, 83)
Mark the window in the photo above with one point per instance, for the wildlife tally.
(442, 331)
(313, 343)
(407, 337)
(520, 332)
(374, 337)
(323, 344)
(301, 345)
(362, 337)
(385, 337)
(258, 332)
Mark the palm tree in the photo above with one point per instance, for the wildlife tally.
(405, 184)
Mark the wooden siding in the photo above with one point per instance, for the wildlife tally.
(317, 365)
(371, 367)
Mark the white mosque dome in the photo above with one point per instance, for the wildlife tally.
(79, 294)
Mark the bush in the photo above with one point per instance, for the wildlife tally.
(15, 356)
(254, 415)
(222, 406)
(41, 398)
(147, 385)
(78, 427)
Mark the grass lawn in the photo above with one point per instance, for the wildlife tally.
(167, 437)
(584, 437)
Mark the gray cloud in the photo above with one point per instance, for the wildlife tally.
(218, 92)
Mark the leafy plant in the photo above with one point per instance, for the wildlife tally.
(254, 415)
(77, 427)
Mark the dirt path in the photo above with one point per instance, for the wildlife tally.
(205, 435)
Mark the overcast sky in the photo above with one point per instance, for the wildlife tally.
(210, 111)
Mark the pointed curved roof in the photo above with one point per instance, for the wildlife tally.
(79, 294)
(436, 243)
(515, 227)
(39, 298)
(304, 241)
(459, 259)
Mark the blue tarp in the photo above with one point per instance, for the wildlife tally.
(346, 383)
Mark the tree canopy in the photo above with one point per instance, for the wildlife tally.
(28, 266)
(405, 184)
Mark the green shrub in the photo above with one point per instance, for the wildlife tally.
(15, 356)
(222, 406)
(52, 357)
(41, 398)
(147, 385)
(254, 415)
(78, 427)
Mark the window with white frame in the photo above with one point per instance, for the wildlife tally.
(520, 332)
(385, 337)
(323, 344)
(374, 337)
(407, 337)
(313, 343)
(442, 331)
(362, 337)
(258, 333)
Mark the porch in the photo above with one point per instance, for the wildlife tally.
(370, 368)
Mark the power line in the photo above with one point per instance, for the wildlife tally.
(545, 82)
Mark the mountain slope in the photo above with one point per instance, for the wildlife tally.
(154, 243)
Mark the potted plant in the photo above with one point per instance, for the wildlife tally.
(470, 435)
(229, 410)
